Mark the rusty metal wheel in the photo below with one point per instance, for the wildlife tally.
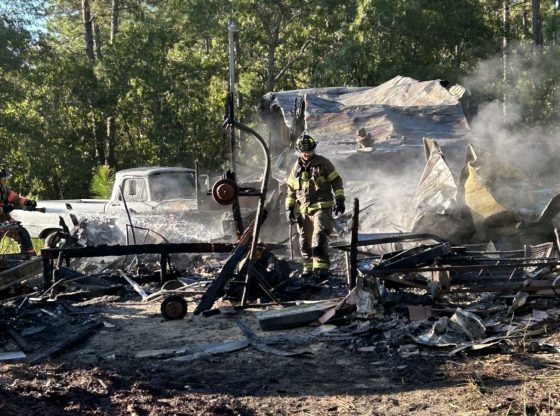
(225, 191)
(173, 307)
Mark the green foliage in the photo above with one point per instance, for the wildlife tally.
(160, 85)
(7, 245)
(102, 182)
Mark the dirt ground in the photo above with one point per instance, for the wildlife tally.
(103, 376)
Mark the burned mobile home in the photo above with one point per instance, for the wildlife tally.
(421, 171)
(396, 114)
(452, 261)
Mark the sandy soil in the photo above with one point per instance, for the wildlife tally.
(102, 376)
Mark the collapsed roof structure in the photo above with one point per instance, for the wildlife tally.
(405, 127)
(397, 114)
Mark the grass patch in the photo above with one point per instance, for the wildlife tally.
(7, 245)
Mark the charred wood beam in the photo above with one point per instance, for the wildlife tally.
(353, 260)
(18, 272)
(82, 335)
(506, 287)
(16, 337)
(503, 260)
(384, 238)
(465, 268)
(118, 250)
(415, 257)
(216, 288)
(493, 285)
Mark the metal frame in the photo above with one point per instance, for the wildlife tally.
(61, 254)
(467, 261)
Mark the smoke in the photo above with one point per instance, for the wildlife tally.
(385, 198)
(384, 183)
(148, 229)
(387, 181)
(525, 129)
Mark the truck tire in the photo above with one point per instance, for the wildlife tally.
(52, 240)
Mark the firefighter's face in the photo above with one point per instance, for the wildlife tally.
(307, 155)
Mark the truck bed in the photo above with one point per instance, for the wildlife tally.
(82, 205)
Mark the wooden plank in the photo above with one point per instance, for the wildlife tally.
(217, 286)
(13, 275)
(82, 335)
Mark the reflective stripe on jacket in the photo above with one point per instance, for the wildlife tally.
(312, 184)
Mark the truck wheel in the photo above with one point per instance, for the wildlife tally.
(53, 239)
(173, 307)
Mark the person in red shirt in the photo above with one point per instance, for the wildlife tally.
(10, 200)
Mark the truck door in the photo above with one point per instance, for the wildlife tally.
(135, 190)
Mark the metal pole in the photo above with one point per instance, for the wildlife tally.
(231, 37)
(232, 123)
(291, 241)
(128, 215)
(262, 200)
(196, 173)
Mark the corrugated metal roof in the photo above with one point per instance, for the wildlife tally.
(397, 113)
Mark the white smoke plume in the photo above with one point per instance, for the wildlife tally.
(529, 93)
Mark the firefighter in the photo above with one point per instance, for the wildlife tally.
(9, 200)
(310, 204)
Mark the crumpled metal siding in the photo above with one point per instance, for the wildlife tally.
(398, 114)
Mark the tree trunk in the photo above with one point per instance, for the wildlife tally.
(111, 156)
(525, 18)
(505, 45)
(273, 35)
(98, 139)
(97, 38)
(97, 129)
(114, 20)
(88, 31)
(537, 35)
(270, 64)
(111, 125)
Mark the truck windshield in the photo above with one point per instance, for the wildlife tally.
(172, 185)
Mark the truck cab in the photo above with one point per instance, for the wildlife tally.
(155, 190)
(145, 190)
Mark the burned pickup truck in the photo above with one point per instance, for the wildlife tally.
(147, 190)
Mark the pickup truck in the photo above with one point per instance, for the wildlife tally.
(147, 190)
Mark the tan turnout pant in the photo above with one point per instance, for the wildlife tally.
(314, 230)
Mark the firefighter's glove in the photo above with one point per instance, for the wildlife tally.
(31, 203)
(6, 209)
(339, 208)
(291, 215)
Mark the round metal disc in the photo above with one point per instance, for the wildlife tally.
(224, 191)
